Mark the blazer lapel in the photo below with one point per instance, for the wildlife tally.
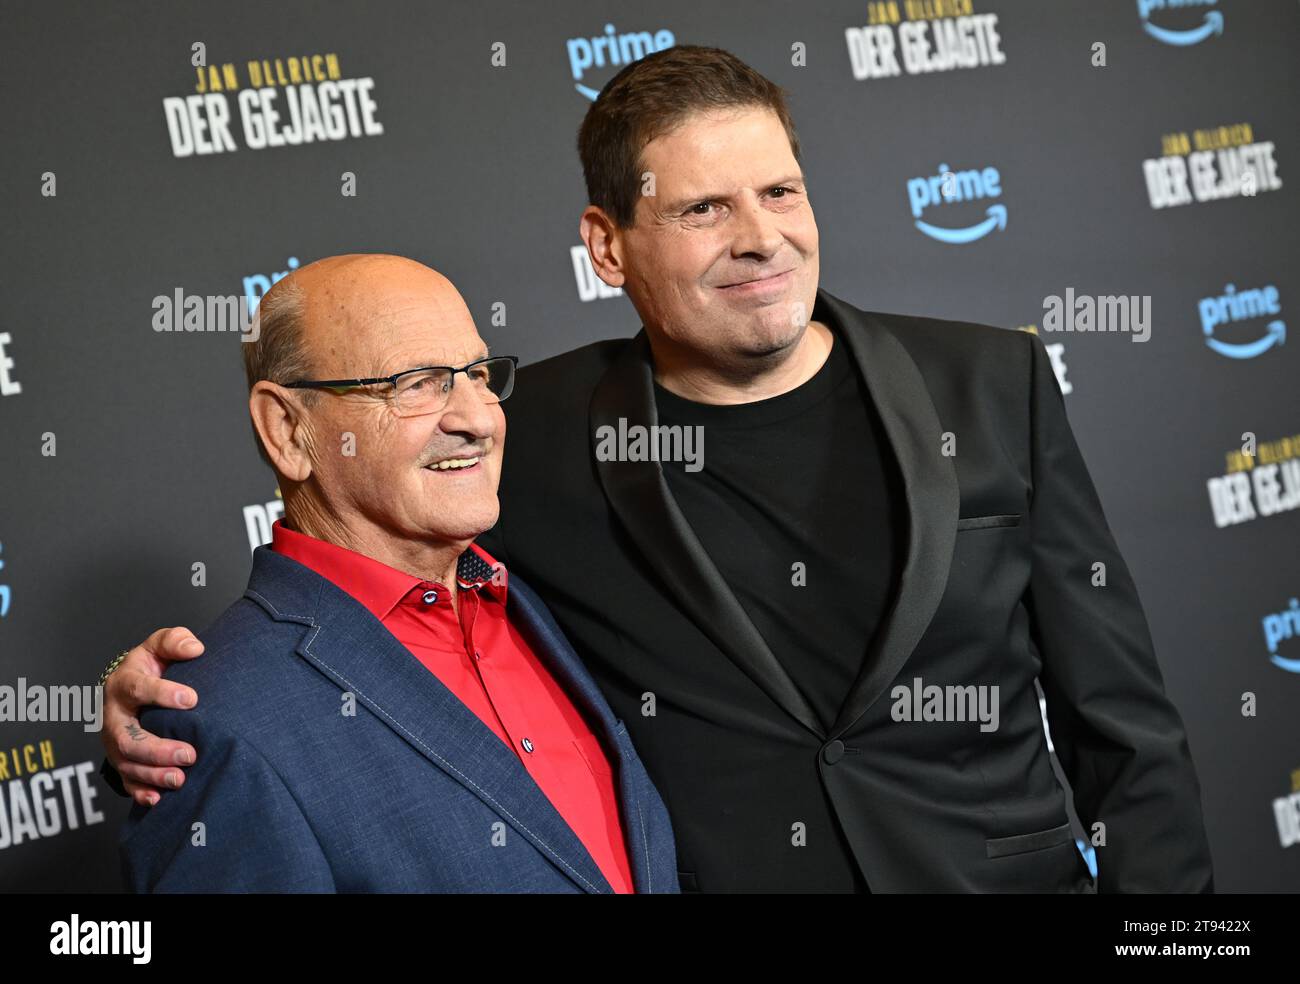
(639, 495)
(537, 625)
(929, 477)
(351, 647)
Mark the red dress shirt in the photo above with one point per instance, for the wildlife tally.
(482, 659)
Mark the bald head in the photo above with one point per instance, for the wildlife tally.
(304, 320)
(353, 468)
(309, 323)
(353, 304)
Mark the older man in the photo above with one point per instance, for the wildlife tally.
(891, 508)
(385, 709)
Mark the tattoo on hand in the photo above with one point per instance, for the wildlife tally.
(136, 732)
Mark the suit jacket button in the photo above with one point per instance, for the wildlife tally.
(833, 752)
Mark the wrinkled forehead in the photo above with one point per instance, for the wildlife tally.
(380, 328)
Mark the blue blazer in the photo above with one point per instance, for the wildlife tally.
(410, 793)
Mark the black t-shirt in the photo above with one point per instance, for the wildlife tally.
(804, 478)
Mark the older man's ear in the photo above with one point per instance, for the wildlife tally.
(282, 429)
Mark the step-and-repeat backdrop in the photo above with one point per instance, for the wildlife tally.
(1118, 175)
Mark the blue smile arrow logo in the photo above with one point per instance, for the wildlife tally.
(1275, 335)
(4, 593)
(997, 219)
(1293, 665)
(1213, 24)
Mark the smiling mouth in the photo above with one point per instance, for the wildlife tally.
(760, 280)
(453, 464)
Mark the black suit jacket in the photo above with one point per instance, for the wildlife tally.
(997, 589)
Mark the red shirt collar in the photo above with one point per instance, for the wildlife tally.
(375, 585)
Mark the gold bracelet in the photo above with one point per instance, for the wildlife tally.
(113, 665)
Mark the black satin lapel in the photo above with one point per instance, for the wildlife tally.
(933, 500)
(640, 496)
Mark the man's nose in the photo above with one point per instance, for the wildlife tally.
(757, 231)
(466, 412)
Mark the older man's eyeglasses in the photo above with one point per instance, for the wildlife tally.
(427, 390)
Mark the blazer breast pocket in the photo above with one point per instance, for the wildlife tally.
(1039, 840)
(988, 522)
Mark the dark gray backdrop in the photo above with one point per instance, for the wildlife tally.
(476, 174)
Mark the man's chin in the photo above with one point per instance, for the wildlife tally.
(772, 341)
(465, 528)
